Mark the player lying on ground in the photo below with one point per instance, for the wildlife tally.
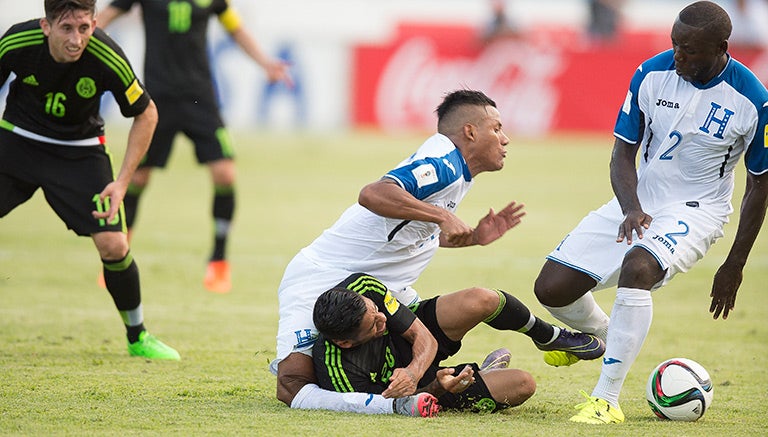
(392, 232)
(371, 343)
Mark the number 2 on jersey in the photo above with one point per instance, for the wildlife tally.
(677, 137)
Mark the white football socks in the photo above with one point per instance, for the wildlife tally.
(630, 321)
(584, 315)
(312, 397)
(133, 317)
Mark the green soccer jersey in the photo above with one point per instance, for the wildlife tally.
(367, 367)
(176, 60)
(60, 102)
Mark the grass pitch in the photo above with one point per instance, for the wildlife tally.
(64, 368)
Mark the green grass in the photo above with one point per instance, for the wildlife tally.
(64, 368)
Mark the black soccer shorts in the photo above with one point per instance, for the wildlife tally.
(71, 178)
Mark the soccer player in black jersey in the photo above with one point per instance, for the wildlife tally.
(178, 75)
(371, 343)
(52, 137)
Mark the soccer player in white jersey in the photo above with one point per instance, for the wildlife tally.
(392, 233)
(691, 112)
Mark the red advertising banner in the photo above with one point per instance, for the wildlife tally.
(543, 82)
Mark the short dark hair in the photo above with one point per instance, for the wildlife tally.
(338, 313)
(708, 16)
(458, 107)
(55, 9)
(458, 98)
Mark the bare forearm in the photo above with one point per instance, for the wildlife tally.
(249, 45)
(139, 137)
(752, 215)
(424, 351)
(624, 175)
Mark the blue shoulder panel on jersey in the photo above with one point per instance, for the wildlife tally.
(747, 84)
(628, 121)
(743, 80)
(756, 158)
(427, 176)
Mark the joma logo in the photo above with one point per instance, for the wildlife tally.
(664, 242)
(667, 104)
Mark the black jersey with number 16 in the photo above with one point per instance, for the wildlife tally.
(60, 102)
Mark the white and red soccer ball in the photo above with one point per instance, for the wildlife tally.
(679, 389)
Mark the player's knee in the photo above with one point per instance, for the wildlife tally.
(525, 387)
(640, 270)
(558, 285)
(484, 298)
(112, 246)
(548, 291)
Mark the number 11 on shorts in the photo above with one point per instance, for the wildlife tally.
(103, 206)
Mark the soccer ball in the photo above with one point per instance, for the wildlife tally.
(679, 389)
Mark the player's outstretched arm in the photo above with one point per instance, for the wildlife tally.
(729, 276)
(276, 69)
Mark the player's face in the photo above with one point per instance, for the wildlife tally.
(373, 325)
(698, 55)
(491, 142)
(69, 34)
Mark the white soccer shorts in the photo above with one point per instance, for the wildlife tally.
(678, 238)
(303, 281)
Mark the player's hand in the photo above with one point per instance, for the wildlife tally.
(277, 71)
(402, 383)
(458, 383)
(113, 193)
(455, 232)
(637, 221)
(724, 287)
(493, 225)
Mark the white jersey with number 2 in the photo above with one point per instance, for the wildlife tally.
(694, 134)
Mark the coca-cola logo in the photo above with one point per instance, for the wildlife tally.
(518, 76)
